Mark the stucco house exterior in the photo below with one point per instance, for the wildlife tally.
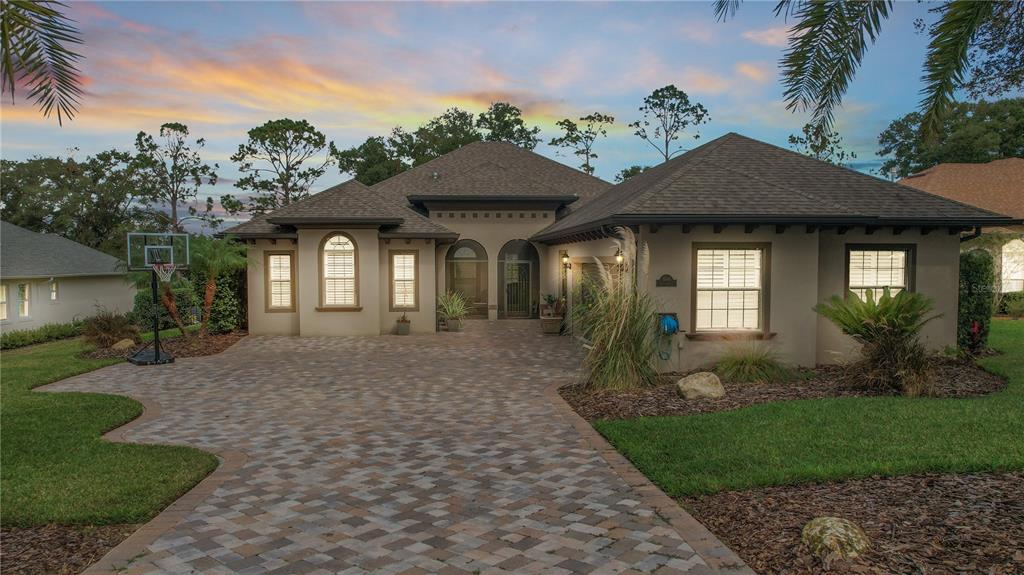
(744, 239)
(997, 186)
(46, 278)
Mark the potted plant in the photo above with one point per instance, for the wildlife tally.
(453, 307)
(403, 324)
(548, 309)
(552, 315)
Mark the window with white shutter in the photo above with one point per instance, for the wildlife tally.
(404, 292)
(280, 292)
(340, 269)
(729, 284)
(876, 267)
(3, 302)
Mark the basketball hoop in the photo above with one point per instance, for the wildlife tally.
(164, 271)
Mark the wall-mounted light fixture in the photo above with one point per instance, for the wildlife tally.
(565, 261)
(618, 256)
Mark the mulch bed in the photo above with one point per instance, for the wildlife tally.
(923, 524)
(953, 379)
(59, 549)
(178, 346)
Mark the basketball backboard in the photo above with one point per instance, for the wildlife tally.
(146, 249)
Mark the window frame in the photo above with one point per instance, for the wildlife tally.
(4, 293)
(26, 301)
(1007, 251)
(764, 331)
(323, 279)
(268, 306)
(54, 295)
(911, 260)
(415, 280)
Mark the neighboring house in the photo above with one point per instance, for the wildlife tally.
(745, 238)
(997, 186)
(45, 278)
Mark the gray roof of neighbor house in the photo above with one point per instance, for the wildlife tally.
(735, 179)
(349, 203)
(27, 254)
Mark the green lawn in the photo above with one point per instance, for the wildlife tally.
(810, 440)
(56, 469)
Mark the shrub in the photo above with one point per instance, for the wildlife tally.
(42, 334)
(619, 323)
(977, 299)
(184, 296)
(1015, 308)
(226, 313)
(452, 305)
(889, 328)
(753, 364)
(107, 328)
(1009, 299)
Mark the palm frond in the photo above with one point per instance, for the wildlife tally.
(35, 39)
(826, 47)
(725, 9)
(948, 57)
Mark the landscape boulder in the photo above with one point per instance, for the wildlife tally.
(832, 538)
(124, 344)
(703, 385)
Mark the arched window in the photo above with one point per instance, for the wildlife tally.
(466, 273)
(339, 272)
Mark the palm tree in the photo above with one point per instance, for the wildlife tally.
(211, 258)
(830, 38)
(34, 39)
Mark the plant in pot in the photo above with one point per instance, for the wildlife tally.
(548, 309)
(453, 307)
(403, 325)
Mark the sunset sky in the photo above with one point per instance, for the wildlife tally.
(356, 70)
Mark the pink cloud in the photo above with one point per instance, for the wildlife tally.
(776, 36)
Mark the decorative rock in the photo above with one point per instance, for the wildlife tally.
(833, 538)
(703, 385)
(124, 344)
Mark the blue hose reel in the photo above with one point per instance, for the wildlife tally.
(668, 326)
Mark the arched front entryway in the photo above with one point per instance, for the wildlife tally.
(466, 272)
(518, 280)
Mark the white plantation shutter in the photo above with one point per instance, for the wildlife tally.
(403, 280)
(877, 270)
(280, 270)
(339, 272)
(729, 289)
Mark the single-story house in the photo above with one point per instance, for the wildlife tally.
(997, 186)
(46, 278)
(744, 239)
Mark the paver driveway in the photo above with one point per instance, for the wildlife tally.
(423, 454)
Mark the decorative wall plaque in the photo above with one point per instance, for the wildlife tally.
(665, 281)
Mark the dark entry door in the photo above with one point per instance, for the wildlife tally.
(518, 289)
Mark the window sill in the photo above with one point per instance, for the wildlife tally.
(340, 308)
(280, 310)
(730, 335)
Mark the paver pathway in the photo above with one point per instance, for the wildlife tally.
(423, 454)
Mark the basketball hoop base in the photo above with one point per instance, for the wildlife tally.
(149, 356)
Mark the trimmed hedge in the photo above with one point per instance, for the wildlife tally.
(1007, 299)
(184, 296)
(48, 332)
(227, 313)
(977, 299)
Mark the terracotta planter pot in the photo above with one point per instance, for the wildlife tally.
(403, 327)
(551, 325)
(454, 324)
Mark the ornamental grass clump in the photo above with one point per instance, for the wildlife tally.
(617, 322)
(889, 328)
(753, 364)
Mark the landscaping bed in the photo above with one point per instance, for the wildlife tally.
(58, 549)
(936, 524)
(953, 379)
(178, 346)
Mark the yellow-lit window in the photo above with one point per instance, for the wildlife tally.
(54, 290)
(876, 269)
(339, 272)
(280, 281)
(729, 285)
(23, 300)
(3, 302)
(403, 280)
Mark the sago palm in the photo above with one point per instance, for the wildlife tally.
(830, 37)
(35, 40)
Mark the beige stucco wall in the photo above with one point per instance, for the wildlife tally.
(77, 299)
(365, 321)
(493, 233)
(937, 272)
(424, 319)
(262, 322)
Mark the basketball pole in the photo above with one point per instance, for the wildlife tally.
(154, 284)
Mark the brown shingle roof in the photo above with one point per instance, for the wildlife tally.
(997, 185)
(735, 179)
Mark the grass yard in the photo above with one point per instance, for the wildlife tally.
(56, 469)
(826, 439)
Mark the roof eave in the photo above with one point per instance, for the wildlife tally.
(321, 221)
(510, 198)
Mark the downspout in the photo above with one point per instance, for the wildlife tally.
(972, 235)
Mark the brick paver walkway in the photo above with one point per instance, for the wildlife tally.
(423, 454)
